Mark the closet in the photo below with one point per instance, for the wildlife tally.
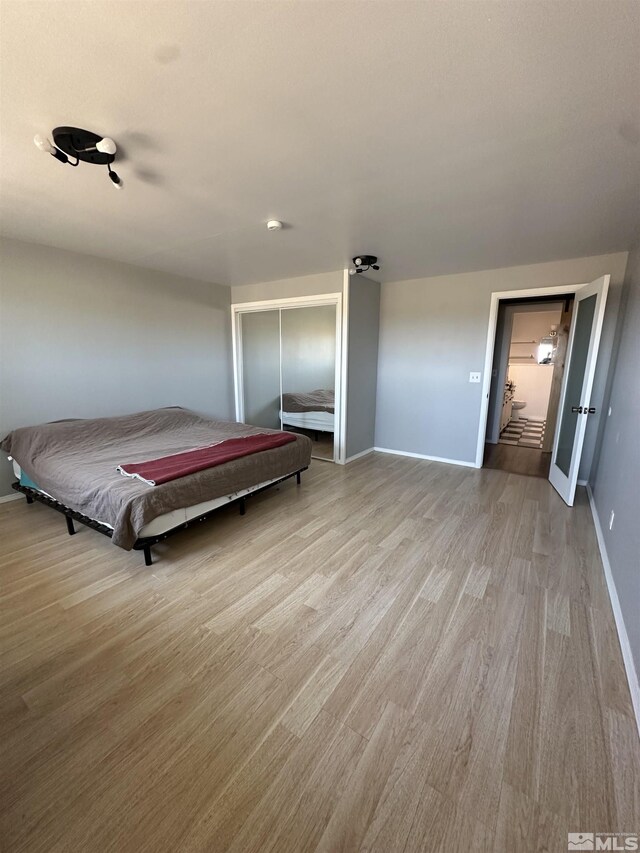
(309, 365)
(290, 370)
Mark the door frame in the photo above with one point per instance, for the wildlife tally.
(239, 308)
(496, 297)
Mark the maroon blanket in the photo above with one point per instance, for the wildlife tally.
(157, 471)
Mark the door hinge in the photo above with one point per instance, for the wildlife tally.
(577, 409)
(592, 410)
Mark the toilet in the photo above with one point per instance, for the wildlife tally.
(516, 407)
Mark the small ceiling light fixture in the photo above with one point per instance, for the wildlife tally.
(362, 263)
(74, 143)
(274, 225)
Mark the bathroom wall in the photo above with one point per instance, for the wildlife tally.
(533, 384)
(530, 326)
(532, 380)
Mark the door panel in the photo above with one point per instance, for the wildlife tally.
(309, 364)
(584, 323)
(261, 368)
(575, 400)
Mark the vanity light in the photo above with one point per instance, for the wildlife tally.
(547, 347)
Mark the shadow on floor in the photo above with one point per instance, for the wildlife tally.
(517, 460)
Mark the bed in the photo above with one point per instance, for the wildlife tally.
(71, 466)
(314, 410)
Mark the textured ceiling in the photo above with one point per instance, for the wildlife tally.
(441, 136)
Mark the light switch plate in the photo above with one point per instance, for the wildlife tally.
(474, 377)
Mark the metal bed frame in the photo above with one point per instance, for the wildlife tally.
(146, 542)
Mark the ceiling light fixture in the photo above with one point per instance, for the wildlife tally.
(274, 225)
(74, 143)
(362, 263)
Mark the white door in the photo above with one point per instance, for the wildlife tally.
(575, 403)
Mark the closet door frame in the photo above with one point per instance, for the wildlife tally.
(240, 308)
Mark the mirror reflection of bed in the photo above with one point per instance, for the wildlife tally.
(312, 414)
(308, 369)
(289, 372)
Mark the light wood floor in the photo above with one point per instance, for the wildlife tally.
(396, 656)
(517, 460)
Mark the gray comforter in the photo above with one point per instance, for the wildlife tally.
(311, 401)
(75, 462)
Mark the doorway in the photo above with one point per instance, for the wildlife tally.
(574, 402)
(528, 366)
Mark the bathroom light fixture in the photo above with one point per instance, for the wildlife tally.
(362, 263)
(74, 143)
(547, 346)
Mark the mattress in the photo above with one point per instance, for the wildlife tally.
(166, 521)
(75, 461)
(317, 421)
(321, 400)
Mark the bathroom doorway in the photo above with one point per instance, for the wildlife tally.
(526, 380)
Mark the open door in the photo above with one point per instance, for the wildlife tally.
(575, 404)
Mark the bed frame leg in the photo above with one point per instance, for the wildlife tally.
(29, 499)
(146, 550)
(243, 506)
(70, 528)
(298, 478)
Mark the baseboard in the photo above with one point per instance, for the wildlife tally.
(423, 456)
(627, 656)
(6, 498)
(583, 482)
(359, 455)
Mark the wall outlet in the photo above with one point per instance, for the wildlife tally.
(474, 377)
(611, 517)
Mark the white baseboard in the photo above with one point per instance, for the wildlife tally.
(423, 456)
(583, 482)
(627, 656)
(359, 455)
(6, 498)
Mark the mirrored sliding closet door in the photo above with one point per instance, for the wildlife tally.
(287, 371)
(308, 368)
(260, 331)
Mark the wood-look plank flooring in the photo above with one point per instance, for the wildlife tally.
(517, 460)
(399, 655)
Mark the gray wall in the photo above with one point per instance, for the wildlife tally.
(433, 332)
(362, 371)
(309, 348)
(616, 472)
(306, 285)
(85, 337)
